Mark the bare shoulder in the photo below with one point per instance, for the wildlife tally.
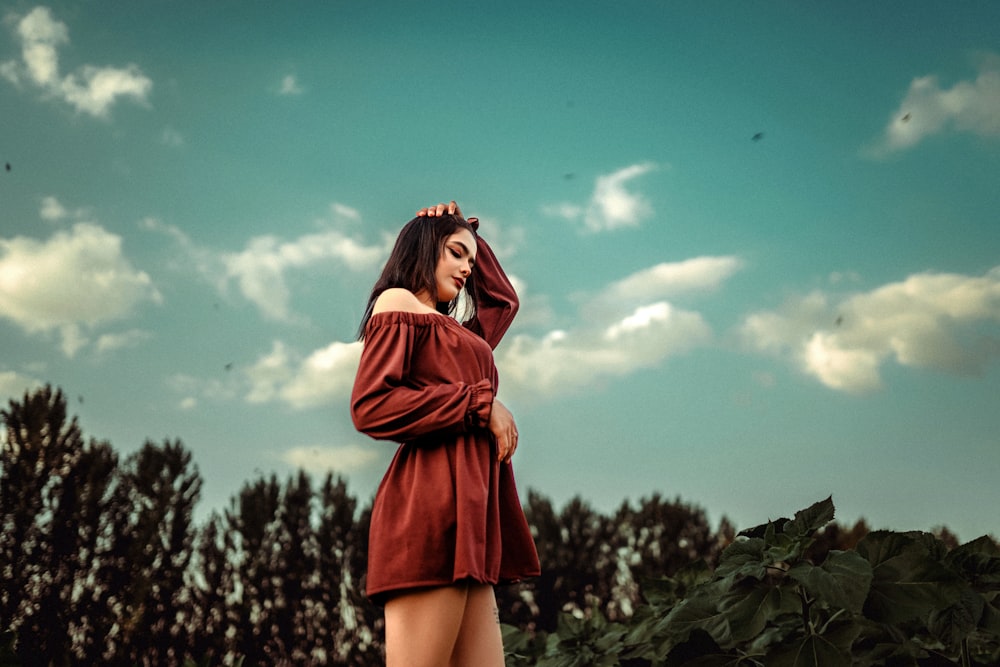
(399, 299)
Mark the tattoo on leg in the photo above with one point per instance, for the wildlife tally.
(496, 615)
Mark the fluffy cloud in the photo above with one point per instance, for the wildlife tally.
(323, 376)
(347, 459)
(666, 280)
(77, 278)
(929, 320)
(91, 90)
(611, 206)
(928, 109)
(260, 268)
(290, 86)
(114, 341)
(570, 360)
(14, 384)
(627, 326)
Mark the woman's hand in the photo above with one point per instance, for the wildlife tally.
(450, 208)
(504, 431)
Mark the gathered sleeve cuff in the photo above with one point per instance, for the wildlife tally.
(480, 405)
(387, 404)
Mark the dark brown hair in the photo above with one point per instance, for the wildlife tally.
(414, 259)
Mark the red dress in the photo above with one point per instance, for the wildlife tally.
(446, 509)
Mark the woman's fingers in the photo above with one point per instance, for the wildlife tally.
(506, 449)
(451, 208)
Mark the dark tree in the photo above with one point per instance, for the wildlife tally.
(251, 520)
(213, 622)
(54, 489)
(363, 634)
(656, 539)
(154, 545)
(577, 560)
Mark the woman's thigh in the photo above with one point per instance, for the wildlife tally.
(479, 642)
(422, 627)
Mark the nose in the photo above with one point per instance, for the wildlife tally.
(466, 269)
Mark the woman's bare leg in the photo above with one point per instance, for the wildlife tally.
(479, 642)
(421, 627)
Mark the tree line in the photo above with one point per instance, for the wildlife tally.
(101, 560)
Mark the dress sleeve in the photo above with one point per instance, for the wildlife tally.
(387, 404)
(498, 301)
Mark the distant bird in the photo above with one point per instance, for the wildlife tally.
(569, 177)
(839, 320)
(7, 165)
(229, 366)
(757, 137)
(905, 118)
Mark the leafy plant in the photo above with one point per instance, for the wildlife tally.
(898, 598)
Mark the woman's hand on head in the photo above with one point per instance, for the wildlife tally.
(504, 431)
(451, 208)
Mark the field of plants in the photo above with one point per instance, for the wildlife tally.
(101, 563)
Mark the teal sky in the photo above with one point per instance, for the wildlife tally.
(757, 243)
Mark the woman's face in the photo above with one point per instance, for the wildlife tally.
(455, 264)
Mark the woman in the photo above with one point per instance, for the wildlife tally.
(447, 523)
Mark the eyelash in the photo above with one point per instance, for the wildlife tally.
(457, 255)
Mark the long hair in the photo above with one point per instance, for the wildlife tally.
(413, 261)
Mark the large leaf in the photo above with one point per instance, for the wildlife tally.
(954, 624)
(907, 582)
(990, 619)
(750, 612)
(743, 558)
(697, 613)
(812, 651)
(842, 582)
(978, 562)
(811, 519)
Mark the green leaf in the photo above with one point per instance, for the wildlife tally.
(743, 558)
(748, 613)
(842, 582)
(978, 562)
(812, 651)
(954, 624)
(989, 621)
(808, 521)
(697, 613)
(907, 582)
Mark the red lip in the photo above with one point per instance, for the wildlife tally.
(459, 282)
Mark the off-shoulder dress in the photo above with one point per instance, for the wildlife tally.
(446, 509)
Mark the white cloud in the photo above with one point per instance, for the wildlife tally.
(14, 384)
(928, 109)
(627, 326)
(347, 459)
(91, 90)
(78, 277)
(115, 341)
(573, 360)
(611, 206)
(943, 321)
(52, 210)
(290, 86)
(193, 390)
(171, 137)
(664, 281)
(325, 375)
(260, 268)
